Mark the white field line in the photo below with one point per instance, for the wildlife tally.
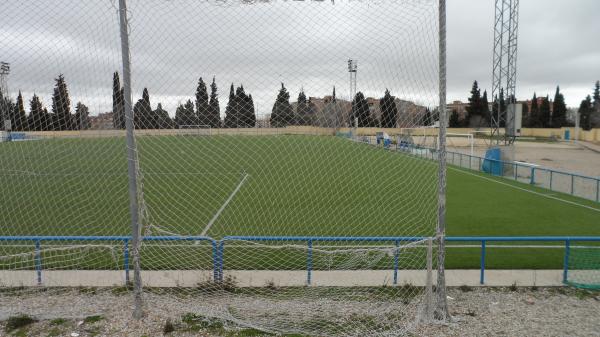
(549, 196)
(214, 218)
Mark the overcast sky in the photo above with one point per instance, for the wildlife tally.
(303, 44)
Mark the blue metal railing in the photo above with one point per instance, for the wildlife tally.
(218, 247)
(124, 239)
(587, 188)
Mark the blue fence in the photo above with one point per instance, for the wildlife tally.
(578, 185)
(218, 247)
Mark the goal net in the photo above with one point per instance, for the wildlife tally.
(199, 130)
(271, 220)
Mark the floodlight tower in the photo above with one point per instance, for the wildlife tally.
(504, 73)
(352, 70)
(5, 101)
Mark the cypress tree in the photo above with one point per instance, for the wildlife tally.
(82, 117)
(202, 106)
(559, 110)
(61, 106)
(454, 119)
(525, 116)
(360, 111)
(143, 116)
(585, 112)
(19, 117)
(251, 112)
(231, 110)
(485, 111)
(163, 121)
(38, 117)
(282, 113)
(427, 118)
(118, 104)
(302, 109)
(389, 111)
(185, 114)
(214, 109)
(595, 114)
(545, 113)
(534, 114)
(597, 95)
(243, 109)
(475, 103)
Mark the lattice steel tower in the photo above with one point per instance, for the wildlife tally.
(4, 97)
(506, 26)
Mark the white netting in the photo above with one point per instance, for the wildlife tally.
(272, 186)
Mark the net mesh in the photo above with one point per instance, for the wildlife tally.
(268, 194)
(583, 267)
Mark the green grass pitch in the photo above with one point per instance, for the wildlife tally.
(292, 185)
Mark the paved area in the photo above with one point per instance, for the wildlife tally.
(261, 278)
(580, 157)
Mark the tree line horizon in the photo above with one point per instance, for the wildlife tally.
(543, 113)
(240, 113)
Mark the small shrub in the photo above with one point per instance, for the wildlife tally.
(58, 321)
(16, 322)
(168, 327)
(54, 332)
(229, 284)
(92, 319)
(271, 285)
(465, 288)
(513, 287)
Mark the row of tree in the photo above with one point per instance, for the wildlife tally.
(205, 111)
(542, 114)
(39, 118)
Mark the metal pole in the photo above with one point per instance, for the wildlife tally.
(132, 164)
(309, 263)
(482, 263)
(441, 311)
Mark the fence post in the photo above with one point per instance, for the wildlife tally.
(532, 176)
(566, 260)
(132, 164)
(396, 253)
(309, 263)
(38, 262)
(551, 179)
(126, 259)
(516, 168)
(572, 183)
(482, 264)
(221, 260)
(598, 190)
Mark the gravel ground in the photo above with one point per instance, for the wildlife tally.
(475, 311)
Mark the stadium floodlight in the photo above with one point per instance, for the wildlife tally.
(352, 70)
(4, 68)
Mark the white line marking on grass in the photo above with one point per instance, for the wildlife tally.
(549, 196)
(214, 218)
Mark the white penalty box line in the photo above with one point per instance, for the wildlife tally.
(216, 216)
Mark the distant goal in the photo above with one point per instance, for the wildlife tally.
(194, 130)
